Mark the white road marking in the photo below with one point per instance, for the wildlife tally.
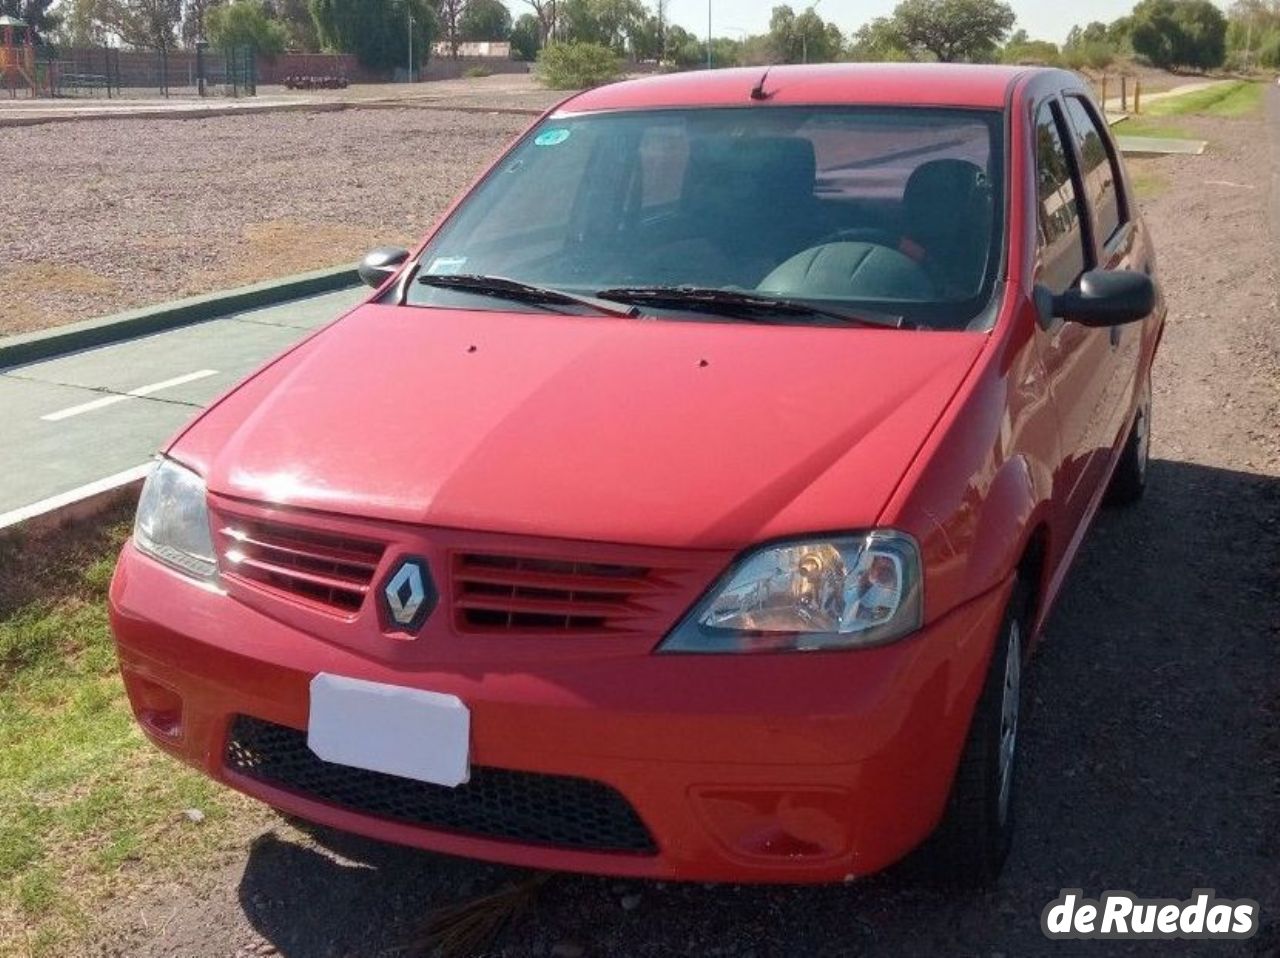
(75, 495)
(132, 394)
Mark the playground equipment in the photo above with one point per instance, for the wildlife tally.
(19, 68)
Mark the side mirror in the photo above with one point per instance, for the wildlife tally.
(381, 263)
(1104, 298)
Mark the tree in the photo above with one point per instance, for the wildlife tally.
(37, 15)
(1175, 34)
(879, 41)
(548, 14)
(376, 31)
(526, 38)
(449, 13)
(953, 30)
(144, 23)
(485, 20)
(246, 23)
(195, 16)
(1022, 49)
(300, 27)
(647, 39)
(805, 38)
(82, 24)
(610, 23)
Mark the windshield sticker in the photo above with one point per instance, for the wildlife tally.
(446, 265)
(552, 137)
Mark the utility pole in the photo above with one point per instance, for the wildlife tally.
(410, 15)
(710, 65)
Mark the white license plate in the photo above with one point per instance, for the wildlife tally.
(385, 728)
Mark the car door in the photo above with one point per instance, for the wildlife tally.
(1078, 360)
(1115, 232)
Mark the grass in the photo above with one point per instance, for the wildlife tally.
(87, 806)
(1234, 99)
(1146, 126)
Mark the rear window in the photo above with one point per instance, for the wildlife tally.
(897, 209)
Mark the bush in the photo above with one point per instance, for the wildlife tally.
(475, 73)
(577, 66)
(1099, 55)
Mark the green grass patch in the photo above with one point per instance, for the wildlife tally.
(86, 803)
(1149, 127)
(1233, 99)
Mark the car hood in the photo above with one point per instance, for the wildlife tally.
(690, 434)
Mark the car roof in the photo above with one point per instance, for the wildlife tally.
(908, 84)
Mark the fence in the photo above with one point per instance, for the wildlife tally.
(111, 72)
(103, 71)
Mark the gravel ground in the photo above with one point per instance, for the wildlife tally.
(1153, 756)
(111, 214)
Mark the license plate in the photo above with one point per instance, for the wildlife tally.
(420, 735)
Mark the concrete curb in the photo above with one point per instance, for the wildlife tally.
(205, 113)
(77, 505)
(30, 347)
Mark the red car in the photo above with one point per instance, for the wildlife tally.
(688, 505)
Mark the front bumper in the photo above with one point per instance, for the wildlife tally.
(770, 768)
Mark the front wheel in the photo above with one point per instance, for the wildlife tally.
(1129, 481)
(971, 845)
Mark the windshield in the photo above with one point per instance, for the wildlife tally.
(892, 210)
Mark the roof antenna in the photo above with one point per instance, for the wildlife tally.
(757, 91)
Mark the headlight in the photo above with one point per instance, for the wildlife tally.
(173, 520)
(818, 595)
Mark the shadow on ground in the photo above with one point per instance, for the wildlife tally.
(1152, 764)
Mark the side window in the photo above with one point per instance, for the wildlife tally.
(1100, 173)
(1062, 257)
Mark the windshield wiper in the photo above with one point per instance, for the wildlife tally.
(743, 305)
(500, 287)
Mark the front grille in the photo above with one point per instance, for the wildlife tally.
(496, 803)
(332, 571)
(493, 593)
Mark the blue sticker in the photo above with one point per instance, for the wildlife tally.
(552, 137)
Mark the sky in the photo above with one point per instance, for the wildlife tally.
(1042, 19)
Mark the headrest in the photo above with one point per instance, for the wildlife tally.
(942, 195)
(751, 169)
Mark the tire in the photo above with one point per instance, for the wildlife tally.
(970, 846)
(1129, 481)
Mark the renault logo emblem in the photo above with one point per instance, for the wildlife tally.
(410, 595)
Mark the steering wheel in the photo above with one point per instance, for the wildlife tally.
(864, 234)
(851, 269)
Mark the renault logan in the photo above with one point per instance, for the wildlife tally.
(689, 503)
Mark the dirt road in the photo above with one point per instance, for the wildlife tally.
(1154, 752)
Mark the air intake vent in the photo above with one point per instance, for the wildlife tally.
(525, 807)
(493, 593)
(335, 572)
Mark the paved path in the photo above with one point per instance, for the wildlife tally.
(1114, 105)
(76, 424)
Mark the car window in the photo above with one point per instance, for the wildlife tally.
(1062, 258)
(1099, 168)
(898, 209)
